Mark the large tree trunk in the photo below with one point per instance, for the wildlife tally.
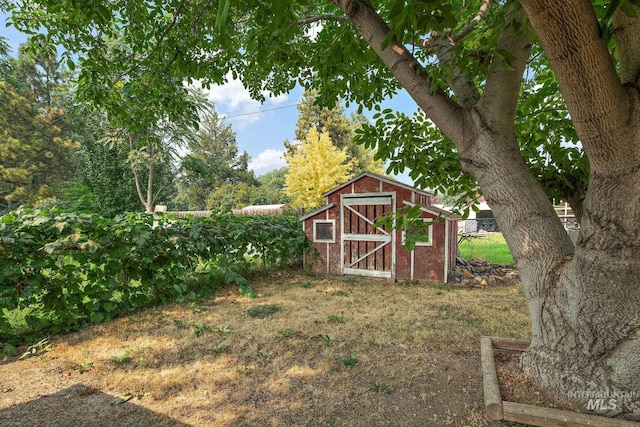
(584, 301)
(589, 345)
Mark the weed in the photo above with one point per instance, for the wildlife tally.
(336, 319)
(83, 366)
(288, 332)
(443, 286)
(222, 329)
(244, 369)
(38, 348)
(460, 352)
(181, 324)
(195, 308)
(201, 329)
(350, 280)
(9, 350)
(446, 368)
(379, 387)
(339, 294)
(247, 291)
(261, 356)
(122, 399)
(121, 360)
(350, 361)
(262, 311)
(328, 342)
(307, 285)
(218, 348)
(408, 282)
(373, 343)
(161, 319)
(443, 307)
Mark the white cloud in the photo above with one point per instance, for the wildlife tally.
(233, 101)
(268, 159)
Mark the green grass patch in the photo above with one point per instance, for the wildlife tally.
(488, 246)
(262, 311)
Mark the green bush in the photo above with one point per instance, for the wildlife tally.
(62, 270)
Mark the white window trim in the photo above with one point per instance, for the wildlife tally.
(324, 221)
(430, 231)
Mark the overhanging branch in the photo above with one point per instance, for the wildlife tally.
(455, 38)
(320, 17)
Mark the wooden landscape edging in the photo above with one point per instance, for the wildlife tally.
(499, 409)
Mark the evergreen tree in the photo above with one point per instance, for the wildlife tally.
(213, 161)
(38, 146)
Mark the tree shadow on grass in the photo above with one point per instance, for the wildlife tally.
(79, 406)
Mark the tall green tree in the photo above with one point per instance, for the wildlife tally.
(38, 146)
(213, 159)
(465, 65)
(315, 167)
(341, 130)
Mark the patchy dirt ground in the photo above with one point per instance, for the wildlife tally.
(309, 351)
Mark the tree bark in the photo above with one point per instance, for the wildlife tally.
(591, 336)
(584, 300)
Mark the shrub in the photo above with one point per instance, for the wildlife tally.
(62, 270)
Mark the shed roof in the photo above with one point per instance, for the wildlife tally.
(382, 178)
(434, 210)
(317, 211)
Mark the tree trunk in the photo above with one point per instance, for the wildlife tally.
(589, 343)
(584, 301)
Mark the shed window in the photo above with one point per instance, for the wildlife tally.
(324, 231)
(424, 233)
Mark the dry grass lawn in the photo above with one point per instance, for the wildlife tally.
(320, 351)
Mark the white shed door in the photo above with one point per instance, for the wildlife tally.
(367, 250)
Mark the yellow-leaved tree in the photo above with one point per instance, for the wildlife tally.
(314, 167)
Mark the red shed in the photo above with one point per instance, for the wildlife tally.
(347, 242)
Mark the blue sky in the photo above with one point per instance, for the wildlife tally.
(261, 129)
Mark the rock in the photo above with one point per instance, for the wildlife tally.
(467, 282)
(455, 276)
(493, 280)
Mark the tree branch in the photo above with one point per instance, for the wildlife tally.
(597, 101)
(626, 31)
(155, 48)
(502, 89)
(455, 38)
(320, 17)
(439, 107)
(471, 25)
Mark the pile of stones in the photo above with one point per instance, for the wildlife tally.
(480, 273)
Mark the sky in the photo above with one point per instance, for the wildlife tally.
(261, 128)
